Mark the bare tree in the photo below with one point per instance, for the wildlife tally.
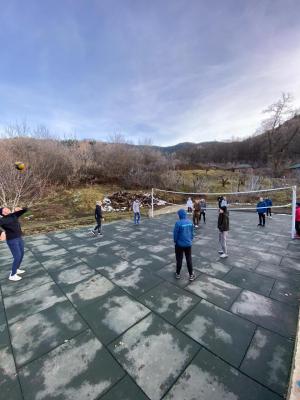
(18, 186)
(274, 125)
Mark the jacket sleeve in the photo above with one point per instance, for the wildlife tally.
(192, 232)
(175, 232)
(21, 212)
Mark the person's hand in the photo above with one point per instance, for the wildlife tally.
(18, 209)
(2, 236)
(103, 219)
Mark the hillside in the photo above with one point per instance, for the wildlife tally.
(253, 150)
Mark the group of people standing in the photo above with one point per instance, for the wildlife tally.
(264, 208)
(183, 233)
(198, 209)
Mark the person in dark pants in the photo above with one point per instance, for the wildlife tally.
(261, 210)
(223, 226)
(98, 218)
(10, 230)
(183, 237)
(196, 213)
(269, 204)
(203, 210)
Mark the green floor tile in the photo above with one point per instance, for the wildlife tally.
(58, 263)
(113, 315)
(116, 269)
(169, 301)
(286, 292)
(279, 272)
(216, 269)
(89, 290)
(9, 385)
(137, 282)
(214, 290)
(77, 370)
(250, 280)
(126, 389)
(269, 360)
(32, 301)
(154, 354)
(225, 334)
(37, 334)
(208, 377)
(28, 282)
(4, 337)
(74, 274)
(270, 314)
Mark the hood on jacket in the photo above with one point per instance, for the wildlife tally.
(181, 213)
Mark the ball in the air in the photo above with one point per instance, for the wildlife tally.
(19, 166)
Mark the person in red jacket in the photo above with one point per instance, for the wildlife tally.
(297, 219)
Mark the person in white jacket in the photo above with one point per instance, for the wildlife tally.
(189, 205)
(136, 212)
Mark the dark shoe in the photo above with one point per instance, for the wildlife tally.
(220, 251)
(192, 277)
(177, 276)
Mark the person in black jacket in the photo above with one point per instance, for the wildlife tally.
(98, 218)
(223, 226)
(10, 230)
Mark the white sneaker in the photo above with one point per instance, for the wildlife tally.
(14, 278)
(20, 271)
(223, 255)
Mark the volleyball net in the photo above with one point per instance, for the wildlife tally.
(279, 200)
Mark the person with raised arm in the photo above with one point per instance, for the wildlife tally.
(10, 230)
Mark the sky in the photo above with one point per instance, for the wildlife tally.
(168, 71)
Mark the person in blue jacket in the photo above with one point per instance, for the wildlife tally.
(269, 204)
(183, 237)
(261, 209)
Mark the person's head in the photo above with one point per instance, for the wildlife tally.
(5, 211)
(98, 203)
(261, 199)
(181, 214)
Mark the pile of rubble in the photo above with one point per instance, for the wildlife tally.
(122, 201)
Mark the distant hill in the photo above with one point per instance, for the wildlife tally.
(253, 150)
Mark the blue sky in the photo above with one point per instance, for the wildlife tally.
(165, 70)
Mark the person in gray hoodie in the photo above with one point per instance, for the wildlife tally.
(183, 235)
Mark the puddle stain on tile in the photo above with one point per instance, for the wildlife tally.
(121, 312)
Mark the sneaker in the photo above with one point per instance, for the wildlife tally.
(100, 234)
(259, 225)
(20, 271)
(192, 277)
(93, 232)
(14, 278)
(270, 217)
(220, 251)
(177, 276)
(223, 255)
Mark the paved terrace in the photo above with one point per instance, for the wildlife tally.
(105, 318)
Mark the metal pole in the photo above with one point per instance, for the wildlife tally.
(152, 203)
(294, 200)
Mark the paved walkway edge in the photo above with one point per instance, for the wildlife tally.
(294, 387)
